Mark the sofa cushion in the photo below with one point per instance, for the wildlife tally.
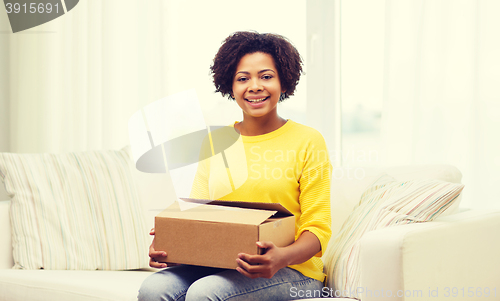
(22, 285)
(18, 285)
(75, 211)
(386, 203)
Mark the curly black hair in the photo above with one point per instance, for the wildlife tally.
(286, 58)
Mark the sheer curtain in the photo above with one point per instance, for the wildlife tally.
(72, 84)
(441, 93)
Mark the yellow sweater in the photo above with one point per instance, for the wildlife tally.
(289, 166)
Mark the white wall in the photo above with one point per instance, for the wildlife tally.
(4, 86)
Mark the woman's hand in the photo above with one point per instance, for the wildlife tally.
(266, 265)
(274, 258)
(155, 255)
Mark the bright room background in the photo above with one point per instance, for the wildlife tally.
(388, 82)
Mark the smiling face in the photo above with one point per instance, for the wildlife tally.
(256, 86)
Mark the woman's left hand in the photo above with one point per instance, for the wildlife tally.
(265, 265)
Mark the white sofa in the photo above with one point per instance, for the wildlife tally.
(458, 252)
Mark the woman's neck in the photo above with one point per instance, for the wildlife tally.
(254, 126)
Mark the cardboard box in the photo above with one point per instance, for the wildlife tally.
(212, 234)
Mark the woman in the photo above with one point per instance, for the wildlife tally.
(287, 163)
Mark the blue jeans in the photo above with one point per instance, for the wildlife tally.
(186, 282)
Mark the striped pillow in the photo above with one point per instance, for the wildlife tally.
(75, 211)
(386, 203)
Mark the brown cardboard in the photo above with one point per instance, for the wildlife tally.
(212, 234)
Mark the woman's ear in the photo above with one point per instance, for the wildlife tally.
(282, 95)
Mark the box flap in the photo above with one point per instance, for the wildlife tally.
(216, 213)
(277, 207)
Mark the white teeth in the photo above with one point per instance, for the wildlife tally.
(256, 100)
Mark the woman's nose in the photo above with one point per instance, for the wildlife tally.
(255, 86)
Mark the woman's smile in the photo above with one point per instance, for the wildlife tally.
(257, 100)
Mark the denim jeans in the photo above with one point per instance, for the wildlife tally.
(191, 283)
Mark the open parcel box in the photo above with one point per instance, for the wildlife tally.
(212, 234)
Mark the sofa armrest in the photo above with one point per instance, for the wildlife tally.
(452, 258)
(6, 261)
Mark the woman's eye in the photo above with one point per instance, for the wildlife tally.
(267, 76)
(241, 79)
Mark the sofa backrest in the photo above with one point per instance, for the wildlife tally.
(348, 184)
(157, 192)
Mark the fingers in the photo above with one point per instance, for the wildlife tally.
(157, 265)
(254, 266)
(247, 267)
(251, 271)
(245, 273)
(154, 260)
(154, 256)
(153, 253)
(258, 259)
(152, 248)
(154, 263)
(265, 244)
(253, 259)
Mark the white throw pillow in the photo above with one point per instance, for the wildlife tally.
(350, 182)
(75, 211)
(386, 203)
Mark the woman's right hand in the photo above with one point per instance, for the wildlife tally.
(155, 255)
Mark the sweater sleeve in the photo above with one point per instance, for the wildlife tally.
(314, 196)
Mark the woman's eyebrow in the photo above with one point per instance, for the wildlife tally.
(265, 70)
(261, 71)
